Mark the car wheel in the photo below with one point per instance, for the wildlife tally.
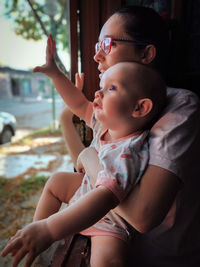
(6, 135)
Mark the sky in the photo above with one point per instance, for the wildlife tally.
(19, 53)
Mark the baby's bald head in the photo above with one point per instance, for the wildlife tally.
(141, 82)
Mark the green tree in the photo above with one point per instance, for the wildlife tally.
(35, 18)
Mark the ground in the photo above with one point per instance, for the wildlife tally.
(19, 195)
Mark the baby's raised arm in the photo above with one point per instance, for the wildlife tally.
(71, 95)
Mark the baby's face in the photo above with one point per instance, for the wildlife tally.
(114, 102)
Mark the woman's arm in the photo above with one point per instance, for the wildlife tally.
(150, 200)
(72, 139)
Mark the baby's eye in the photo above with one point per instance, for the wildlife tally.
(113, 88)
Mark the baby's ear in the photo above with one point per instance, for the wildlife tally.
(142, 108)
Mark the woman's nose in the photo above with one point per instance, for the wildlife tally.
(99, 57)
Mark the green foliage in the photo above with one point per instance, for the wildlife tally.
(28, 26)
(3, 182)
(33, 183)
(46, 131)
(19, 190)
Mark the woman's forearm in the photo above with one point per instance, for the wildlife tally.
(72, 139)
(149, 202)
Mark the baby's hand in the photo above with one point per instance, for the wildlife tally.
(32, 240)
(49, 68)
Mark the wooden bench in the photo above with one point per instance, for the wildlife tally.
(74, 251)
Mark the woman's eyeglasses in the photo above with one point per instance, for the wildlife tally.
(107, 42)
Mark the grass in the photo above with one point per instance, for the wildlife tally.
(16, 207)
(18, 190)
(47, 131)
(32, 184)
(44, 132)
(19, 196)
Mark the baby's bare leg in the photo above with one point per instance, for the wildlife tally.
(59, 188)
(107, 251)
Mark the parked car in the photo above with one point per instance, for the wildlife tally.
(7, 127)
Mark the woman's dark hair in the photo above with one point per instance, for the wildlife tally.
(145, 25)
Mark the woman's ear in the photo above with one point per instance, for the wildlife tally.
(142, 108)
(149, 54)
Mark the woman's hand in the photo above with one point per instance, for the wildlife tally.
(79, 164)
(88, 162)
(32, 240)
(49, 68)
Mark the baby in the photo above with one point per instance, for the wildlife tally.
(131, 97)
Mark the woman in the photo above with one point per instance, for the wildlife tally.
(165, 207)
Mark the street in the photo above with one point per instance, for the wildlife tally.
(32, 114)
